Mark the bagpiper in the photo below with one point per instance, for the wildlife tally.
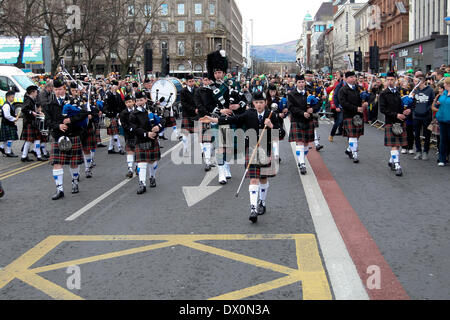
(113, 106)
(130, 139)
(66, 124)
(190, 112)
(8, 131)
(351, 102)
(302, 123)
(260, 168)
(314, 89)
(146, 127)
(392, 106)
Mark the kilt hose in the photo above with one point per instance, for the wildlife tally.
(147, 152)
(350, 130)
(188, 125)
(301, 132)
(73, 157)
(130, 145)
(89, 140)
(256, 171)
(8, 133)
(113, 129)
(391, 140)
(30, 134)
(208, 133)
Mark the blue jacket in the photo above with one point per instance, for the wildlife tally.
(443, 115)
(336, 94)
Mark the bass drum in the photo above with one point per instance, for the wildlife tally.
(169, 88)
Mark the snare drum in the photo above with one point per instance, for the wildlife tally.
(42, 126)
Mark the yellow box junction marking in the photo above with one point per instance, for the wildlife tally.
(309, 272)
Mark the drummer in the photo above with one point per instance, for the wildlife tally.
(190, 112)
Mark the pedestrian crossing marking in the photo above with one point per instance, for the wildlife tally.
(309, 272)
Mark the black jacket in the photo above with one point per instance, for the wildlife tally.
(54, 118)
(140, 124)
(28, 107)
(126, 125)
(188, 103)
(114, 105)
(204, 101)
(390, 105)
(350, 100)
(298, 105)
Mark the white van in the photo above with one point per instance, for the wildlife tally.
(14, 79)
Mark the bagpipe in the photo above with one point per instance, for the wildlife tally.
(70, 110)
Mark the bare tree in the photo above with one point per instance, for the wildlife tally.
(18, 19)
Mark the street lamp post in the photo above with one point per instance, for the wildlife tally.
(447, 22)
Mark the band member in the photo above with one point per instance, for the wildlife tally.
(255, 119)
(217, 65)
(189, 112)
(272, 97)
(302, 124)
(130, 140)
(30, 132)
(391, 105)
(64, 126)
(317, 91)
(205, 103)
(351, 102)
(8, 131)
(112, 108)
(146, 127)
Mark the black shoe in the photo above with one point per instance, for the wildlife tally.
(11, 155)
(142, 189)
(112, 152)
(180, 138)
(75, 188)
(2, 150)
(2, 191)
(58, 195)
(279, 160)
(163, 138)
(121, 152)
(319, 147)
(302, 167)
(26, 159)
(253, 215)
(88, 174)
(152, 182)
(129, 174)
(350, 154)
(208, 168)
(399, 172)
(392, 166)
(41, 159)
(355, 160)
(93, 164)
(33, 153)
(261, 208)
(101, 145)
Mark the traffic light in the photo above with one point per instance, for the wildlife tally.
(375, 58)
(148, 60)
(358, 61)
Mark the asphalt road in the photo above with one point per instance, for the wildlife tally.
(156, 246)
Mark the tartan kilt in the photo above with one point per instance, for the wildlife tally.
(170, 122)
(258, 172)
(113, 128)
(73, 157)
(30, 134)
(130, 145)
(151, 155)
(44, 139)
(301, 132)
(188, 124)
(391, 140)
(8, 133)
(350, 130)
(89, 140)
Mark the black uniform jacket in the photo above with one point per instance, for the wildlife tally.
(126, 125)
(350, 100)
(188, 103)
(390, 105)
(141, 126)
(204, 101)
(297, 106)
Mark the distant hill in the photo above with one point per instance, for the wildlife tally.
(284, 52)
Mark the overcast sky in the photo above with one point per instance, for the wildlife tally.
(276, 21)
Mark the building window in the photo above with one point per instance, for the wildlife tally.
(181, 67)
(212, 9)
(148, 28)
(212, 24)
(198, 8)
(198, 48)
(198, 67)
(181, 48)
(181, 26)
(164, 9)
(181, 8)
(147, 10)
(164, 26)
(130, 10)
(164, 45)
(198, 26)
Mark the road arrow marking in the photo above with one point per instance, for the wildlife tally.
(195, 195)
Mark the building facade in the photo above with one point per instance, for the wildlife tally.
(304, 43)
(362, 33)
(323, 20)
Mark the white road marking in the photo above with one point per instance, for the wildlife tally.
(92, 204)
(344, 278)
(194, 195)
